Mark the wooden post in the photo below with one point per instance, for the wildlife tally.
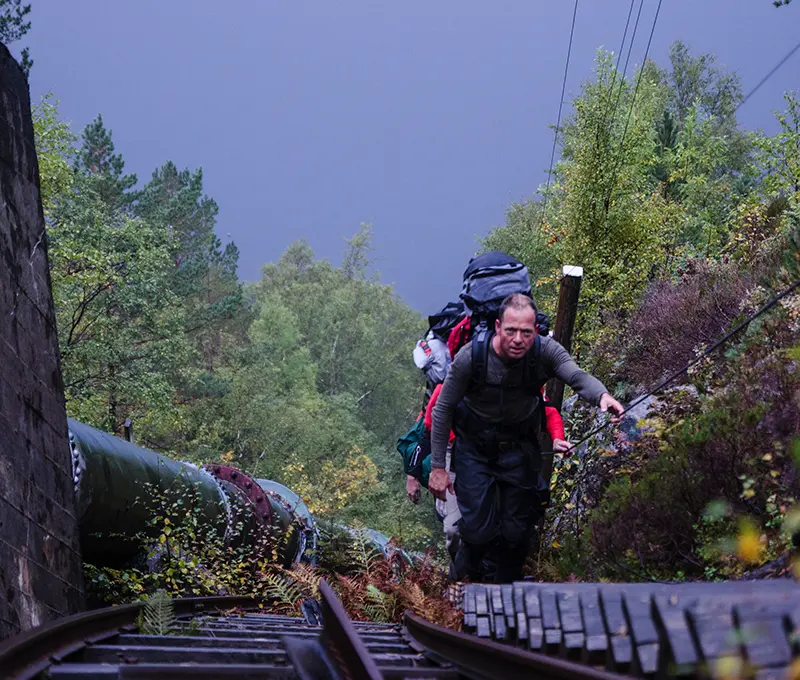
(565, 325)
(565, 322)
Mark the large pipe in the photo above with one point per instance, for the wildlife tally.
(119, 485)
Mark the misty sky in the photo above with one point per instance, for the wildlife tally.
(309, 117)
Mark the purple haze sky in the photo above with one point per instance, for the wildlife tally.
(425, 118)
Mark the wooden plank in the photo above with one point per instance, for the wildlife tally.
(549, 610)
(535, 635)
(481, 601)
(678, 655)
(552, 640)
(500, 629)
(572, 646)
(522, 628)
(765, 643)
(507, 592)
(519, 597)
(620, 654)
(469, 599)
(569, 610)
(611, 607)
(533, 607)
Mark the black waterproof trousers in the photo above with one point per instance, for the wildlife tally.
(500, 494)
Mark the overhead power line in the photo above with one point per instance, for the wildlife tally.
(621, 149)
(769, 75)
(612, 107)
(633, 38)
(627, 60)
(560, 107)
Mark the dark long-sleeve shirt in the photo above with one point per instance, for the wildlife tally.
(487, 401)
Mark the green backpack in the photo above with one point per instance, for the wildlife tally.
(409, 446)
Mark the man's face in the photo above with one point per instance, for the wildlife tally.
(516, 332)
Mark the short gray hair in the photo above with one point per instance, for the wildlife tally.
(518, 301)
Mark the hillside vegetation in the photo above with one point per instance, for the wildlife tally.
(303, 376)
(685, 224)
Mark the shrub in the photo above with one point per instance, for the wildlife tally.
(186, 558)
(734, 446)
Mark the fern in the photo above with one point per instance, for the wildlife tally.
(365, 556)
(281, 588)
(379, 606)
(157, 617)
(306, 579)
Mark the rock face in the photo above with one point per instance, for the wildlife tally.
(40, 564)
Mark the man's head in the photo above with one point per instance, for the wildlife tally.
(515, 327)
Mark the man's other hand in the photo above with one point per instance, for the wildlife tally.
(561, 445)
(439, 483)
(412, 489)
(608, 403)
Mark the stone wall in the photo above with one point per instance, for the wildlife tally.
(40, 565)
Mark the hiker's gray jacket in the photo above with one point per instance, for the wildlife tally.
(491, 404)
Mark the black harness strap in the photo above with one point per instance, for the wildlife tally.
(481, 343)
(531, 382)
(480, 355)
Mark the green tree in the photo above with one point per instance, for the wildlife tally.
(13, 27)
(105, 169)
(697, 83)
(781, 153)
(359, 333)
(120, 326)
(203, 278)
(652, 171)
(55, 150)
(606, 216)
(205, 273)
(325, 385)
(704, 161)
(176, 198)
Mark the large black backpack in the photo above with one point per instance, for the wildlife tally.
(488, 279)
(443, 321)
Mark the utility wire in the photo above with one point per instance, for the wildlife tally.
(766, 307)
(625, 34)
(560, 106)
(633, 37)
(614, 174)
(769, 75)
(612, 107)
(627, 59)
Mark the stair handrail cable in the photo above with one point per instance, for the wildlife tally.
(676, 374)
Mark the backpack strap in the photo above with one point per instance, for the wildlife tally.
(533, 382)
(480, 354)
(529, 371)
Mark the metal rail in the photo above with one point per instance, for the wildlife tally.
(26, 655)
(487, 660)
(217, 643)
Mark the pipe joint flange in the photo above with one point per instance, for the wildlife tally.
(249, 488)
